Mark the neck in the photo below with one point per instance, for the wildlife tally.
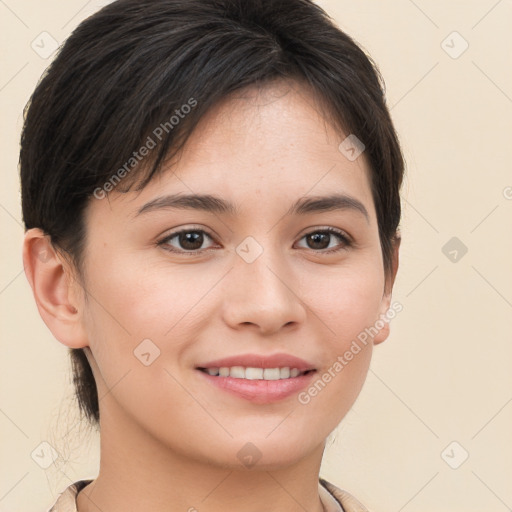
(138, 472)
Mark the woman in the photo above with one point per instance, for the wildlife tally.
(211, 195)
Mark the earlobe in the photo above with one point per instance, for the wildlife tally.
(54, 289)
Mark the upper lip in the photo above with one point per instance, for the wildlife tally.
(260, 361)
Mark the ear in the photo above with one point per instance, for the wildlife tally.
(383, 333)
(55, 290)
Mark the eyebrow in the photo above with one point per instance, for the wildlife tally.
(214, 204)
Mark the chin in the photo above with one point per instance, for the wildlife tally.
(274, 451)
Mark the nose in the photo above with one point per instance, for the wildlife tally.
(263, 295)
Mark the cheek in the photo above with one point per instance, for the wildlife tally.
(347, 304)
(346, 299)
(132, 310)
(144, 300)
(132, 301)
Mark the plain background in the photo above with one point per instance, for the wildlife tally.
(440, 388)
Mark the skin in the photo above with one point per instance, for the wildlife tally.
(167, 435)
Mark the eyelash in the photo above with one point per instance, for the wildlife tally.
(346, 241)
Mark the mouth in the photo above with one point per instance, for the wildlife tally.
(258, 379)
(255, 373)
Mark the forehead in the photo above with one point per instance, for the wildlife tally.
(262, 145)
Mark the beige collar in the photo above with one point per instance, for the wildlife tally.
(333, 498)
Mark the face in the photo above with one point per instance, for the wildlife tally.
(177, 286)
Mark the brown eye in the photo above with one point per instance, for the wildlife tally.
(318, 240)
(187, 240)
(322, 239)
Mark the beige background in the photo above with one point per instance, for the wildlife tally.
(443, 375)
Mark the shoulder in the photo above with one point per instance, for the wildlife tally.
(347, 501)
(66, 501)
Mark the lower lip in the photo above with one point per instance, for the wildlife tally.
(261, 391)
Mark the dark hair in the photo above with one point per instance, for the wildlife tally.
(134, 65)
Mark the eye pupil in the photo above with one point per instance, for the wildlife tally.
(317, 238)
(189, 240)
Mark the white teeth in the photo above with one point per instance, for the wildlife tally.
(250, 373)
(271, 374)
(224, 372)
(238, 372)
(253, 373)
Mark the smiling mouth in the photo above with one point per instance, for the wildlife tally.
(253, 373)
